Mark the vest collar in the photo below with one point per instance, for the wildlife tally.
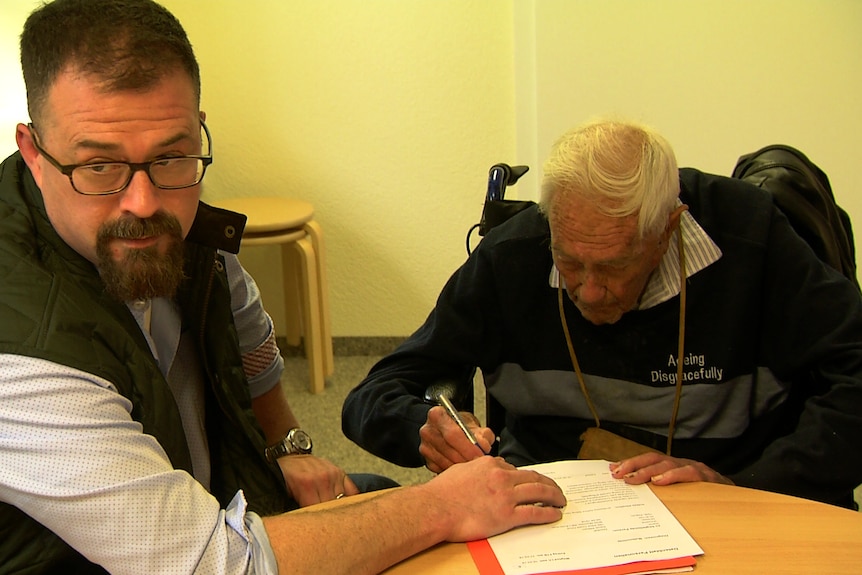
(217, 228)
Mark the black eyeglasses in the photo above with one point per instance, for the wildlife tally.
(105, 178)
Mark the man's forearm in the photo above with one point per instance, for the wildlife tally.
(364, 537)
(468, 501)
(374, 414)
(274, 415)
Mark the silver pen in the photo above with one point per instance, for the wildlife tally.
(453, 413)
(440, 393)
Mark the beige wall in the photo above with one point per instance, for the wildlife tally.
(387, 114)
(719, 78)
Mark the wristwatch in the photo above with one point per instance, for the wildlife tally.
(295, 442)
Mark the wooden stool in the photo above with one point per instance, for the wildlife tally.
(289, 222)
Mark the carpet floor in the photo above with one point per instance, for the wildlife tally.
(320, 416)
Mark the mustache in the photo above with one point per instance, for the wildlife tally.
(132, 227)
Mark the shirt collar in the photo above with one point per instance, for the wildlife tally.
(161, 324)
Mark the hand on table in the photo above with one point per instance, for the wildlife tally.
(442, 443)
(311, 480)
(487, 496)
(660, 469)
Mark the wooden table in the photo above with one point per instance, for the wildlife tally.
(742, 531)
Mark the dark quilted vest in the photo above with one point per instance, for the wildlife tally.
(52, 306)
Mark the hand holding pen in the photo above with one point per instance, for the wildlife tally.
(449, 436)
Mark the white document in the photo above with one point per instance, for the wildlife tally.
(606, 522)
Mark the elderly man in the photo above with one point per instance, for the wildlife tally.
(142, 427)
(576, 314)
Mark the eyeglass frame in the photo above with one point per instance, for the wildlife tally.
(67, 169)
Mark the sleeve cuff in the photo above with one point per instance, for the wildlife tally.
(250, 527)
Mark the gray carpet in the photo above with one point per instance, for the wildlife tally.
(320, 416)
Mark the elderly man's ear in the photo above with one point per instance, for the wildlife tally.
(672, 225)
(673, 221)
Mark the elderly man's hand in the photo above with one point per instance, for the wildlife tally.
(443, 443)
(661, 469)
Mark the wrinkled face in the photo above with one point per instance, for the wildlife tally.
(132, 236)
(604, 263)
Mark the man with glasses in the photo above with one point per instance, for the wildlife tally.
(104, 178)
(142, 427)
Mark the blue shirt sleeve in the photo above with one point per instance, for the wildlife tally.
(261, 357)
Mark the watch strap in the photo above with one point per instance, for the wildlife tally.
(282, 448)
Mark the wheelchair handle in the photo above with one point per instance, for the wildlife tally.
(500, 176)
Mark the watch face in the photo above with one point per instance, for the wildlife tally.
(301, 440)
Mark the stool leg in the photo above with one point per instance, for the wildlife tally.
(316, 234)
(311, 314)
(291, 274)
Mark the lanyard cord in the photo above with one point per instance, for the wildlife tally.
(573, 356)
(680, 348)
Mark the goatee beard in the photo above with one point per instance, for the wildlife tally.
(141, 273)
